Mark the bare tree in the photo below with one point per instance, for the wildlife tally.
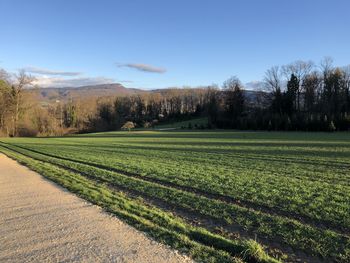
(326, 66)
(346, 73)
(311, 85)
(300, 69)
(234, 99)
(22, 80)
(4, 76)
(272, 79)
(272, 83)
(5, 100)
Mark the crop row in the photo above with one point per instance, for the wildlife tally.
(320, 202)
(165, 227)
(325, 243)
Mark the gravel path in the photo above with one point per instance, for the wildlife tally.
(41, 222)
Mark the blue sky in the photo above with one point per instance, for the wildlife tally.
(156, 44)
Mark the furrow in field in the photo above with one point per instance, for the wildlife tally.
(274, 227)
(275, 247)
(335, 226)
(231, 160)
(285, 154)
(228, 199)
(201, 244)
(216, 158)
(323, 174)
(304, 174)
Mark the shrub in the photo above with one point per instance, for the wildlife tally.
(128, 126)
(331, 127)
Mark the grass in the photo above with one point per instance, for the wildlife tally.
(219, 191)
(183, 124)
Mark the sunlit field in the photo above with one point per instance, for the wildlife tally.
(218, 196)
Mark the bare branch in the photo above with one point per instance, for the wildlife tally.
(272, 79)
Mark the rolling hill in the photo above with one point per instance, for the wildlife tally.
(49, 95)
(103, 90)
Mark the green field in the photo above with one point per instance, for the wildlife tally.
(194, 123)
(217, 196)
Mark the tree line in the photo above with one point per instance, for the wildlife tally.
(298, 96)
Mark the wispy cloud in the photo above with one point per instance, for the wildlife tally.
(43, 71)
(125, 81)
(143, 67)
(59, 82)
(254, 85)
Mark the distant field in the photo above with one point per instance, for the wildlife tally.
(219, 196)
(194, 123)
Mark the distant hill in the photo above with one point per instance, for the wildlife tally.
(49, 95)
(103, 90)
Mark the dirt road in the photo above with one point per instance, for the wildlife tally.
(41, 222)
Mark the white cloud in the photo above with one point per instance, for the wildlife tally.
(254, 85)
(125, 81)
(143, 67)
(43, 71)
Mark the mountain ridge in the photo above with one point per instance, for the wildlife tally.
(101, 90)
(54, 94)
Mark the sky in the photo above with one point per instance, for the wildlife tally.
(158, 44)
